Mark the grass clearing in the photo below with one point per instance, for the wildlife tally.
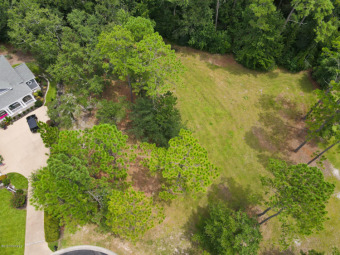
(18, 180)
(52, 91)
(242, 118)
(12, 226)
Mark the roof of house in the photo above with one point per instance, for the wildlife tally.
(13, 85)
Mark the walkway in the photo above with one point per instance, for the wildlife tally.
(24, 152)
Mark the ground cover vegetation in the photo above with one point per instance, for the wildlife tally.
(86, 46)
(12, 227)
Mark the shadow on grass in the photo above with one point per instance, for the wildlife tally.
(276, 251)
(278, 125)
(236, 196)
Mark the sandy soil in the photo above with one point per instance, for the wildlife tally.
(18, 56)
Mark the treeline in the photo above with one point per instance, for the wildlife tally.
(262, 34)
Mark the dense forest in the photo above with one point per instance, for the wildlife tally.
(85, 46)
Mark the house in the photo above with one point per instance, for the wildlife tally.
(16, 88)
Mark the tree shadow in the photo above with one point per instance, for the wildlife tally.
(276, 251)
(236, 196)
(278, 125)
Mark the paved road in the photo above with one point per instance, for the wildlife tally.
(24, 152)
(84, 250)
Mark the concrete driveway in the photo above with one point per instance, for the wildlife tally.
(25, 152)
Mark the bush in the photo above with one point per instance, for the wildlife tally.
(51, 226)
(6, 181)
(157, 121)
(38, 103)
(3, 177)
(1, 160)
(18, 199)
(228, 232)
(112, 112)
(40, 94)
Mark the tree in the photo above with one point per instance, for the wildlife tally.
(328, 67)
(299, 197)
(64, 110)
(48, 134)
(4, 7)
(149, 65)
(324, 117)
(257, 39)
(131, 213)
(102, 149)
(319, 9)
(61, 189)
(184, 166)
(112, 112)
(226, 231)
(35, 29)
(157, 120)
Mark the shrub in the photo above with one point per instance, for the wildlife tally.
(52, 229)
(112, 112)
(226, 231)
(3, 48)
(38, 103)
(156, 121)
(1, 160)
(18, 199)
(3, 177)
(9, 56)
(40, 94)
(6, 181)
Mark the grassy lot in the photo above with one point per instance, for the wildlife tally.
(52, 91)
(242, 117)
(12, 226)
(18, 180)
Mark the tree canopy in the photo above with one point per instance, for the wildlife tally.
(299, 194)
(184, 166)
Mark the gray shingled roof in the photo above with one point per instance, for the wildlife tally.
(15, 79)
(24, 72)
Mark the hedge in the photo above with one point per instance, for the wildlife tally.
(52, 229)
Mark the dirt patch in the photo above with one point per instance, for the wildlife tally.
(263, 140)
(141, 178)
(15, 56)
(315, 84)
(116, 90)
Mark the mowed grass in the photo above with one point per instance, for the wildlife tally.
(19, 181)
(12, 226)
(242, 118)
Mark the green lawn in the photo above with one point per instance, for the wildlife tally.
(52, 91)
(242, 118)
(18, 180)
(12, 226)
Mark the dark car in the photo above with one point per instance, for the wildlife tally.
(32, 123)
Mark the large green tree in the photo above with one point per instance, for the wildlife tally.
(184, 166)
(157, 120)
(62, 189)
(35, 29)
(298, 196)
(228, 232)
(141, 57)
(131, 213)
(103, 150)
(257, 40)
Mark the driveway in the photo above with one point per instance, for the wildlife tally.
(25, 152)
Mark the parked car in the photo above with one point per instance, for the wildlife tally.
(32, 123)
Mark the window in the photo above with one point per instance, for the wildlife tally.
(27, 99)
(14, 106)
(3, 114)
